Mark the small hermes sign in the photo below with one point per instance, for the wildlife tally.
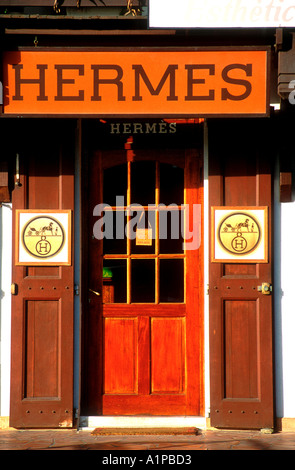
(144, 236)
(239, 234)
(43, 237)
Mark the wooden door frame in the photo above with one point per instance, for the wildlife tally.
(90, 385)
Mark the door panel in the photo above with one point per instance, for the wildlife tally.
(145, 330)
(121, 359)
(168, 355)
(241, 360)
(42, 351)
(241, 349)
(42, 309)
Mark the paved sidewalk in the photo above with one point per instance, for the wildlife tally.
(84, 440)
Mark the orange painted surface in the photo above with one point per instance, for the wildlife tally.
(136, 83)
(168, 355)
(120, 355)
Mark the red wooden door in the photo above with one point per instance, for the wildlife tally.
(144, 346)
(42, 307)
(241, 360)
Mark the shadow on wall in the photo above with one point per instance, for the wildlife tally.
(282, 260)
(5, 308)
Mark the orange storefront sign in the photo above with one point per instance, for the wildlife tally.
(138, 83)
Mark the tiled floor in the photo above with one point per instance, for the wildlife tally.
(84, 440)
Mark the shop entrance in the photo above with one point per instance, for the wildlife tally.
(143, 327)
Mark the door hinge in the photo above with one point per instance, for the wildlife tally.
(77, 289)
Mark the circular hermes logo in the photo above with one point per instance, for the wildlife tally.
(239, 233)
(43, 236)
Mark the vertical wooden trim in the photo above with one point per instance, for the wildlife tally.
(92, 324)
(79, 171)
(194, 294)
(128, 233)
(19, 197)
(157, 234)
(1, 82)
(144, 355)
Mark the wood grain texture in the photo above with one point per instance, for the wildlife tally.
(42, 311)
(241, 348)
(152, 352)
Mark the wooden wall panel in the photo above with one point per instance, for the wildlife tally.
(44, 179)
(42, 349)
(241, 349)
(240, 178)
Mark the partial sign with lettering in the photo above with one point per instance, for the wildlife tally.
(221, 13)
(43, 237)
(239, 234)
(185, 83)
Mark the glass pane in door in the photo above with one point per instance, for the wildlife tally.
(115, 184)
(171, 184)
(142, 280)
(114, 281)
(143, 183)
(171, 280)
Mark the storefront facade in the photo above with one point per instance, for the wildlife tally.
(147, 183)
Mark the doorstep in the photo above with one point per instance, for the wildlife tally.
(89, 423)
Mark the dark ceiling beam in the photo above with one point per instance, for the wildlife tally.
(89, 32)
(66, 3)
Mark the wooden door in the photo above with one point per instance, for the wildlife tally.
(42, 307)
(144, 333)
(241, 360)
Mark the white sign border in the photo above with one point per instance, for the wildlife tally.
(23, 257)
(220, 255)
(221, 13)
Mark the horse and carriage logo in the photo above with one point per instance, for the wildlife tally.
(43, 236)
(239, 233)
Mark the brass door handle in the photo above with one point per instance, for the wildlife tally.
(94, 292)
(265, 288)
(14, 289)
